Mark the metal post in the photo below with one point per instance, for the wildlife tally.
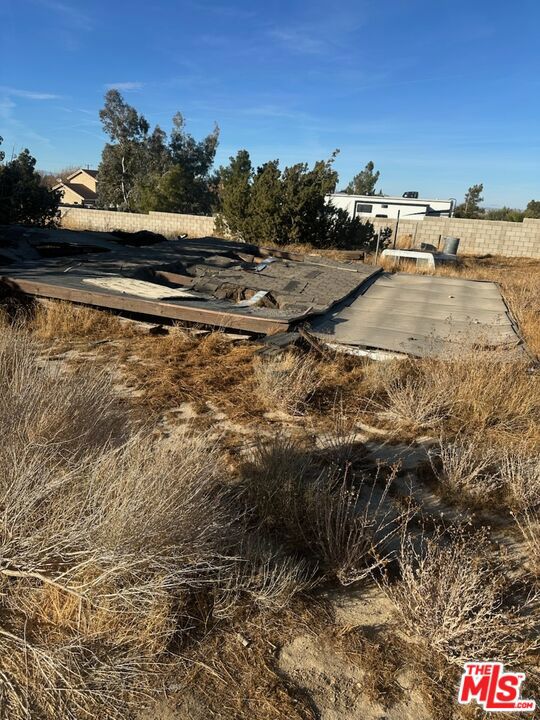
(396, 230)
(377, 249)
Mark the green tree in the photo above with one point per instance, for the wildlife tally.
(23, 199)
(234, 190)
(364, 183)
(308, 216)
(470, 208)
(175, 191)
(264, 214)
(533, 209)
(505, 213)
(195, 157)
(156, 153)
(141, 171)
(123, 159)
(285, 207)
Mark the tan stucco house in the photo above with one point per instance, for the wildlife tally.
(79, 188)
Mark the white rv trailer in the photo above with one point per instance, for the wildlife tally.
(409, 207)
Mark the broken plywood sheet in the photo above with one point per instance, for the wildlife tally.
(417, 315)
(140, 288)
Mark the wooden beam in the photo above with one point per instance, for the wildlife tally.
(157, 308)
(174, 278)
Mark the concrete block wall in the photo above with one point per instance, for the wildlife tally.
(477, 237)
(168, 224)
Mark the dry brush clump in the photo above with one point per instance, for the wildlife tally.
(465, 468)
(287, 382)
(342, 522)
(108, 539)
(42, 404)
(54, 320)
(415, 403)
(453, 597)
(476, 470)
(519, 473)
(484, 391)
(529, 525)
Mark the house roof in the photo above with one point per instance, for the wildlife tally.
(92, 173)
(81, 190)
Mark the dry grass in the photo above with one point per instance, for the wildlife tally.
(108, 538)
(453, 597)
(181, 367)
(529, 525)
(233, 671)
(118, 551)
(466, 468)
(42, 404)
(342, 520)
(287, 382)
(381, 659)
(477, 392)
(519, 473)
(414, 403)
(57, 320)
(475, 471)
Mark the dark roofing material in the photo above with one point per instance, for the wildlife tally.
(93, 173)
(220, 273)
(81, 190)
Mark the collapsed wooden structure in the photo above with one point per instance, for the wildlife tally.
(207, 281)
(347, 305)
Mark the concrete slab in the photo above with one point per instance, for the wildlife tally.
(417, 315)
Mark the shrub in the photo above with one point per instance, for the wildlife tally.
(287, 206)
(529, 524)
(415, 402)
(452, 597)
(112, 543)
(341, 521)
(519, 472)
(23, 199)
(478, 392)
(476, 468)
(286, 382)
(466, 466)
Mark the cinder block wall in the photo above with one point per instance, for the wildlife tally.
(477, 237)
(168, 224)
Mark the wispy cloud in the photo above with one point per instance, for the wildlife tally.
(320, 32)
(6, 108)
(299, 41)
(17, 129)
(28, 94)
(126, 86)
(271, 110)
(69, 14)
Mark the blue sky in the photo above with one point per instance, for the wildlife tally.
(440, 95)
